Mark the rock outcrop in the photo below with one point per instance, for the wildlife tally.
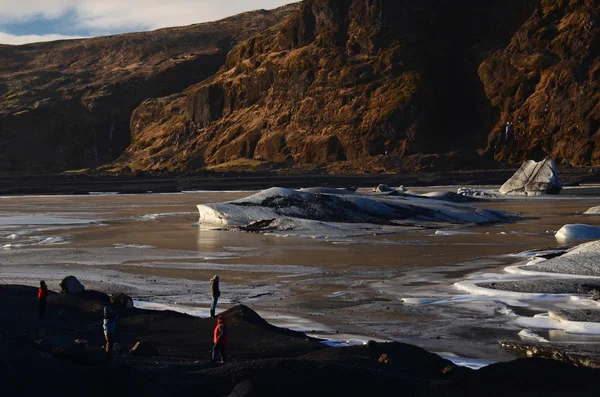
(344, 85)
(393, 84)
(338, 81)
(67, 104)
(544, 85)
(122, 300)
(71, 285)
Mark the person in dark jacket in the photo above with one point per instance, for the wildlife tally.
(111, 313)
(215, 293)
(42, 297)
(220, 339)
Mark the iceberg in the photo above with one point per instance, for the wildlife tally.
(593, 211)
(333, 213)
(532, 179)
(577, 231)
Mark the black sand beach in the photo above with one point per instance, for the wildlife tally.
(61, 354)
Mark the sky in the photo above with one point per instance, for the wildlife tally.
(27, 21)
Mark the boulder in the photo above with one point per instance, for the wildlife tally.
(122, 300)
(70, 285)
(533, 178)
(244, 389)
(144, 349)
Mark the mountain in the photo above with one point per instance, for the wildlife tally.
(67, 104)
(375, 85)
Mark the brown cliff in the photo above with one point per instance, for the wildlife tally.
(338, 85)
(67, 104)
(340, 81)
(346, 82)
(545, 84)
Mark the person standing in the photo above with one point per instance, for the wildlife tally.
(42, 297)
(111, 313)
(220, 339)
(215, 293)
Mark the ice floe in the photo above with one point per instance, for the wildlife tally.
(564, 287)
(578, 231)
(583, 260)
(329, 213)
(531, 335)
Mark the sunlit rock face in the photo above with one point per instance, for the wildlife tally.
(340, 86)
(544, 85)
(68, 104)
(364, 85)
(533, 179)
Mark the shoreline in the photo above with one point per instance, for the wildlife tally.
(129, 184)
(65, 346)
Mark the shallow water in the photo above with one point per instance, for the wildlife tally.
(393, 286)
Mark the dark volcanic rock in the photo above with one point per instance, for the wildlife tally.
(264, 360)
(122, 300)
(580, 355)
(67, 104)
(71, 285)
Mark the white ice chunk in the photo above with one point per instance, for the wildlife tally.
(593, 211)
(531, 335)
(578, 231)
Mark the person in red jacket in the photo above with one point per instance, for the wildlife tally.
(42, 297)
(220, 339)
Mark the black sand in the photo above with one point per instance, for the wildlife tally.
(62, 355)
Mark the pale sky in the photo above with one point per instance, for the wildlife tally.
(27, 21)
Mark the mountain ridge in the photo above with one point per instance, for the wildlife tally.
(67, 104)
(362, 86)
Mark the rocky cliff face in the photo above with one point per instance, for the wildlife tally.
(545, 85)
(357, 85)
(68, 104)
(343, 80)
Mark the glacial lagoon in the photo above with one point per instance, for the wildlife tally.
(427, 286)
